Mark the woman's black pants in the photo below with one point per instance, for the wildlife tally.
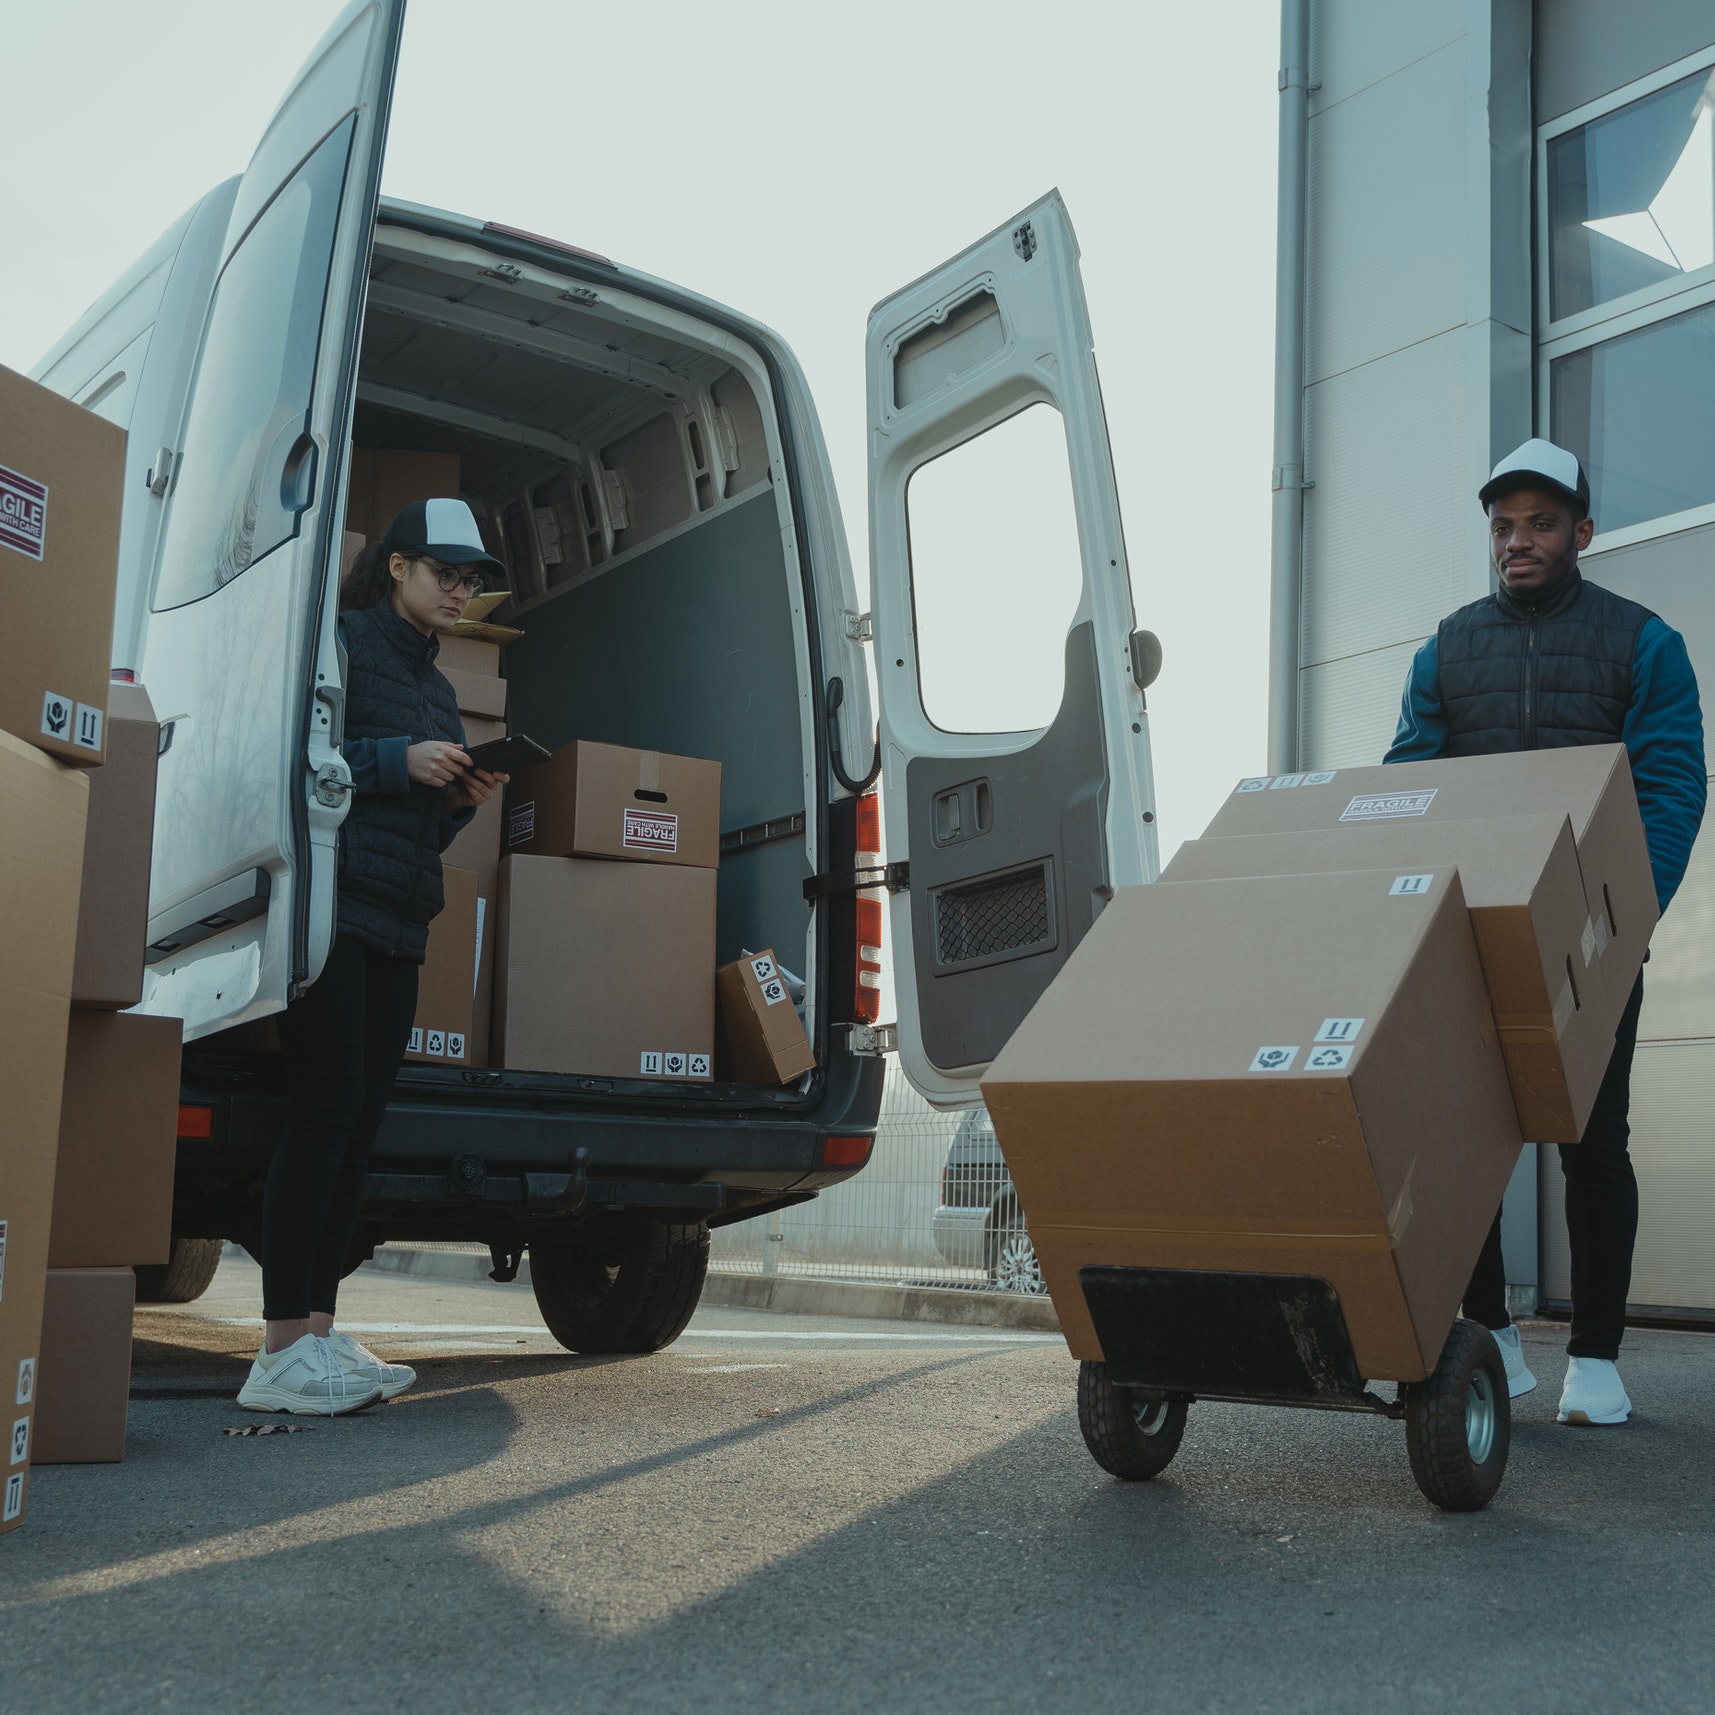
(1601, 1215)
(342, 1041)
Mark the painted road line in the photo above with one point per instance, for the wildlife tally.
(1010, 1337)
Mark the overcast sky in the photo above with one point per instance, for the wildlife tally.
(797, 162)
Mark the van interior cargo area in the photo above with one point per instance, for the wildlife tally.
(624, 477)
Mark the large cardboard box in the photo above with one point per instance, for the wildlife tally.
(1285, 1074)
(113, 918)
(1591, 785)
(605, 968)
(41, 859)
(1525, 892)
(113, 1192)
(469, 655)
(440, 1033)
(478, 693)
(762, 1038)
(385, 480)
(477, 849)
(84, 1388)
(61, 472)
(607, 800)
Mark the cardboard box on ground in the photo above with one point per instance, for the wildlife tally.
(61, 472)
(608, 800)
(761, 1038)
(605, 968)
(84, 1386)
(41, 863)
(118, 1135)
(1285, 1074)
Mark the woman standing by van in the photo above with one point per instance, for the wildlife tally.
(344, 1038)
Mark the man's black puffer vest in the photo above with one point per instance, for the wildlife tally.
(1517, 675)
(390, 869)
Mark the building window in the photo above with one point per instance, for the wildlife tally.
(1626, 318)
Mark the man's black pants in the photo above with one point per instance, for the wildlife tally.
(1601, 1215)
(342, 1041)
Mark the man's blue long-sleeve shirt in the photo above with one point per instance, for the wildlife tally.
(1663, 736)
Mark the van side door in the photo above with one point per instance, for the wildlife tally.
(1016, 780)
(239, 651)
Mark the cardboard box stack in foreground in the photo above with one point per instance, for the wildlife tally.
(605, 956)
(1310, 1049)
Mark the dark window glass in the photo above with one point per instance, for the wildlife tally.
(240, 484)
(1631, 197)
(1637, 410)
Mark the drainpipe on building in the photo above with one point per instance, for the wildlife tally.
(1286, 556)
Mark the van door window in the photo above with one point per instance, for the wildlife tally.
(245, 469)
(996, 576)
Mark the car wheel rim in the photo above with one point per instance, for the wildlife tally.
(1149, 1414)
(1480, 1418)
(1016, 1268)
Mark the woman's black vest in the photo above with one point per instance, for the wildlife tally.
(1518, 675)
(390, 847)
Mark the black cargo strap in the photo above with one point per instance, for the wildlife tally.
(895, 877)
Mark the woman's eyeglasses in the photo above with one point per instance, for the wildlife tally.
(451, 578)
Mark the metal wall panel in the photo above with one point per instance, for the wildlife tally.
(1389, 541)
(1348, 710)
(1355, 43)
(1585, 48)
(1387, 168)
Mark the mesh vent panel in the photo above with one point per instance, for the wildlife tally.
(991, 916)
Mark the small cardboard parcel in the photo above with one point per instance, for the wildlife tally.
(1286, 1075)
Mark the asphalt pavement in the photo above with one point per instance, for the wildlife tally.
(807, 1514)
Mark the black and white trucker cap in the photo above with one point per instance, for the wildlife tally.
(1538, 464)
(445, 530)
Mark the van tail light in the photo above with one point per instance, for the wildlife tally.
(196, 1121)
(846, 1151)
(866, 999)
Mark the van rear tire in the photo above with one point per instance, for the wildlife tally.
(185, 1274)
(633, 1294)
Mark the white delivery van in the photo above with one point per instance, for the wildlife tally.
(652, 471)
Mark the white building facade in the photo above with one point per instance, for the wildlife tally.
(1498, 220)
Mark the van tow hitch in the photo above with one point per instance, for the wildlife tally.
(552, 1194)
(506, 1259)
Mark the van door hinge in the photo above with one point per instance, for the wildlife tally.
(874, 1039)
(507, 271)
(895, 877)
(860, 628)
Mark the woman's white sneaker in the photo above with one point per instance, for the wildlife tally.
(1593, 1393)
(1519, 1378)
(360, 1361)
(306, 1378)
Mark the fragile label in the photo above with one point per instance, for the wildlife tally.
(1274, 1059)
(57, 715)
(1387, 806)
(86, 728)
(455, 1046)
(435, 1042)
(521, 824)
(14, 1502)
(1339, 1030)
(651, 830)
(1587, 941)
(414, 1042)
(23, 512)
(20, 1441)
(1404, 885)
(1329, 1058)
(773, 991)
(26, 1381)
(649, 1063)
(699, 1066)
(762, 968)
(673, 1065)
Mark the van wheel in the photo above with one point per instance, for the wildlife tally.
(633, 1294)
(1458, 1422)
(183, 1276)
(1129, 1434)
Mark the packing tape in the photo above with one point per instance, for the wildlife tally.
(649, 771)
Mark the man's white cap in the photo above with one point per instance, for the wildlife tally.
(1538, 464)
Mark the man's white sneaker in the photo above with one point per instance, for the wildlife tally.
(306, 1378)
(1593, 1393)
(360, 1361)
(1519, 1378)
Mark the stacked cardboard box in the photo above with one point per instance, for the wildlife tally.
(60, 474)
(605, 954)
(1315, 1047)
(385, 480)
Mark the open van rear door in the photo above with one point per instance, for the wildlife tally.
(239, 651)
(1016, 781)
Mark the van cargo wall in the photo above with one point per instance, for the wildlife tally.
(689, 648)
